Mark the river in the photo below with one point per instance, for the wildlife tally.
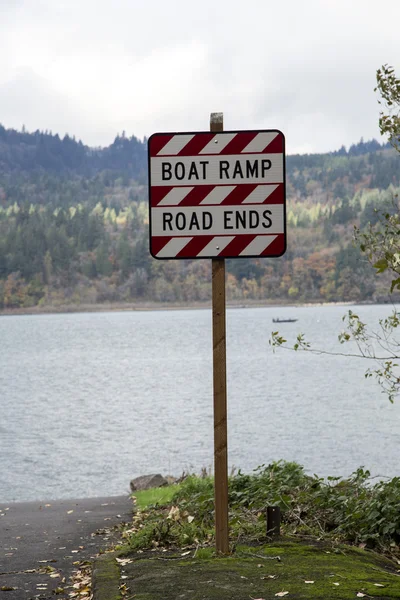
(90, 400)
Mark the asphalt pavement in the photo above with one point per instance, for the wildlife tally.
(41, 541)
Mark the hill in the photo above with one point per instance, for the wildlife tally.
(22, 151)
(74, 227)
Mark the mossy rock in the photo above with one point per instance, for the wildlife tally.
(264, 572)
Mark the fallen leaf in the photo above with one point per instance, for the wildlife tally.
(84, 591)
(281, 594)
(190, 519)
(69, 512)
(123, 561)
(174, 513)
(7, 588)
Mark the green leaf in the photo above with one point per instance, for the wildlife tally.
(395, 284)
(381, 265)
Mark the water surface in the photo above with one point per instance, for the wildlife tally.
(90, 400)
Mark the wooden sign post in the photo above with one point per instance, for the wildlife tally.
(219, 378)
(217, 194)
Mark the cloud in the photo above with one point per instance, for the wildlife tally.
(325, 105)
(97, 67)
(28, 99)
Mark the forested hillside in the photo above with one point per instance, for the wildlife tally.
(74, 227)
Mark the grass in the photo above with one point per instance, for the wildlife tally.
(350, 510)
(155, 496)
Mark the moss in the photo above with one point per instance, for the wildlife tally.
(106, 578)
(203, 553)
(258, 573)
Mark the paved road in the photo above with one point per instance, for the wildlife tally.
(35, 536)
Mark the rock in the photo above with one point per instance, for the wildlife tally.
(145, 482)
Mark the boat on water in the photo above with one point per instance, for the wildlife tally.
(284, 320)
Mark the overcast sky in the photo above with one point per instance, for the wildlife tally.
(94, 68)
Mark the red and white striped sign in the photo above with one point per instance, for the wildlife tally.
(217, 194)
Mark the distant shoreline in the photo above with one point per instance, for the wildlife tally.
(159, 306)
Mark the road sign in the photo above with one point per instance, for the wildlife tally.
(217, 195)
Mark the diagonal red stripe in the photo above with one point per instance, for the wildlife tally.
(277, 196)
(276, 145)
(233, 249)
(237, 245)
(158, 141)
(195, 246)
(239, 193)
(196, 144)
(239, 142)
(157, 243)
(197, 194)
(277, 247)
(158, 192)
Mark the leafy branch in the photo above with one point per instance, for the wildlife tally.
(381, 245)
(388, 86)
